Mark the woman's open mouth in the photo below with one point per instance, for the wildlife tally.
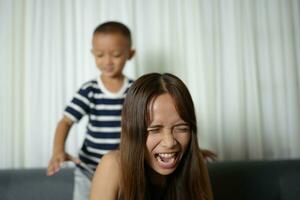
(166, 160)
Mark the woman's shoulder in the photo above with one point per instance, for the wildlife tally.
(106, 181)
(111, 161)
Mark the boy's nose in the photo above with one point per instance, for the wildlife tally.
(107, 60)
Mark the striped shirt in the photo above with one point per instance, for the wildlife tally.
(104, 119)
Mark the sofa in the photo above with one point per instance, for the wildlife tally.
(256, 180)
(238, 180)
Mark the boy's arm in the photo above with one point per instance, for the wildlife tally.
(106, 181)
(59, 155)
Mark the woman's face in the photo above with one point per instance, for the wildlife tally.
(168, 136)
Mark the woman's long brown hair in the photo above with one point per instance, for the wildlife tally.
(190, 180)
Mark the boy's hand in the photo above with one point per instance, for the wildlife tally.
(57, 160)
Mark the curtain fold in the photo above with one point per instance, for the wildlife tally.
(240, 60)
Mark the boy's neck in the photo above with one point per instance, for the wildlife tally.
(112, 84)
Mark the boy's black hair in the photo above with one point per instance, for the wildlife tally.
(114, 27)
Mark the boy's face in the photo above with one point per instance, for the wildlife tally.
(111, 51)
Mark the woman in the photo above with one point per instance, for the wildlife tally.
(159, 156)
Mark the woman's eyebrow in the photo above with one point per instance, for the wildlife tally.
(181, 124)
(160, 126)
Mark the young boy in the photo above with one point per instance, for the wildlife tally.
(101, 99)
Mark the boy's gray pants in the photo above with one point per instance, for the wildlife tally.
(82, 185)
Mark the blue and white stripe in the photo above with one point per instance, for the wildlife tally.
(104, 124)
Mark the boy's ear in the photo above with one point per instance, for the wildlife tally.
(131, 54)
(92, 51)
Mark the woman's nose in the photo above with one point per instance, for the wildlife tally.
(168, 139)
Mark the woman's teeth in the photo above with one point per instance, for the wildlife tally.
(166, 157)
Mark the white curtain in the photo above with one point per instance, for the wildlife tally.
(240, 60)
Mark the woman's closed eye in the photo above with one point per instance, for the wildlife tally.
(181, 129)
(153, 130)
(175, 129)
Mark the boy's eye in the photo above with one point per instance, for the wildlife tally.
(117, 55)
(99, 55)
